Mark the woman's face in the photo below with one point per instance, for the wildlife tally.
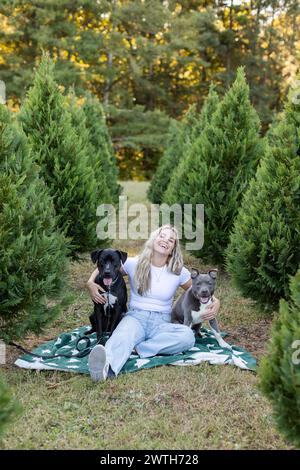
(165, 242)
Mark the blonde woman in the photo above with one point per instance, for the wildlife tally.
(154, 277)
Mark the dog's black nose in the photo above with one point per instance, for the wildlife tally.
(204, 293)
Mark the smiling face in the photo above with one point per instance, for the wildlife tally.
(203, 286)
(165, 242)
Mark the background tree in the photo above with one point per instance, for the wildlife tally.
(264, 249)
(181, 138)
(32, 251)
(152, 59)
(29, 27)
(62, 158)
(97, 158)
(167, 163)
(218, 167)
(279, 370)
(102, 148)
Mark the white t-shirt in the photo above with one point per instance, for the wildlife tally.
(164, 284)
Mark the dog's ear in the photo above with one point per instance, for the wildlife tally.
(194, 273)
(123, 255)
(213, 273)
(95, 255)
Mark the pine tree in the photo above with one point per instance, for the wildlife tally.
(264, 247)
(47, 25)
(279, 370)
(159, 55)
(32, 251)
(218, 167)
(93, 156)
(8, 407)
(61, 157)
(173, 190)
(181, 137)
(198, 123)
(101, 142)
(167, 163)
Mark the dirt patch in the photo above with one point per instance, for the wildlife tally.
(253, 338)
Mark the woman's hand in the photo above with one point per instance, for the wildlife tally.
(94, 292)
(211, 310)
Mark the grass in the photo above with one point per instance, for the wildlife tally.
(201, 407)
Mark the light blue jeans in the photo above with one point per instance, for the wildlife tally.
(150, 333)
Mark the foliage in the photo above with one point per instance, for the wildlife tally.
(9, 407)
(182, 135)
(93, 154)
(32, 250)
(264, 249)
(219, 166)
(279, 370)
(152, 60)
(61, 155)
(102, 157)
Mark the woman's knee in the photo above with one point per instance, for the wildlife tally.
(183, 334)
(188, 337)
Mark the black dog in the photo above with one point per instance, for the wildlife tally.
(106, 317)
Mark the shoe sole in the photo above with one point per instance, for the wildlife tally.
(96, 363)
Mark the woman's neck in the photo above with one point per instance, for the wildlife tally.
(159, 260)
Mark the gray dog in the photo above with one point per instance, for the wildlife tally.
(192, 304)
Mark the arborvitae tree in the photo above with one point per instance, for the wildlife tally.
(8, 407)
(218, 167)
(279, 370)
(32, 251)
(61, 156)
(264, 247)
(192, 130)
(208, 109)
(181, 138)
(93, 155)
(101, 142)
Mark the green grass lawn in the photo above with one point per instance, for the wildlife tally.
(200, 407)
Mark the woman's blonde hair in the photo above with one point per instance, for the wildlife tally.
(142, 277)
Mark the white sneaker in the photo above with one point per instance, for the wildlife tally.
(98, 364)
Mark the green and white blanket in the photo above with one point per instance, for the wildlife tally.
(205, 349)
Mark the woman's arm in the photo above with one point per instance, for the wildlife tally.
(187, 285)
(212, 310)
(94, 288)
(93, 276)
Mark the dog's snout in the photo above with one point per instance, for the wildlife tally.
(204, 292)
(107, 269)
